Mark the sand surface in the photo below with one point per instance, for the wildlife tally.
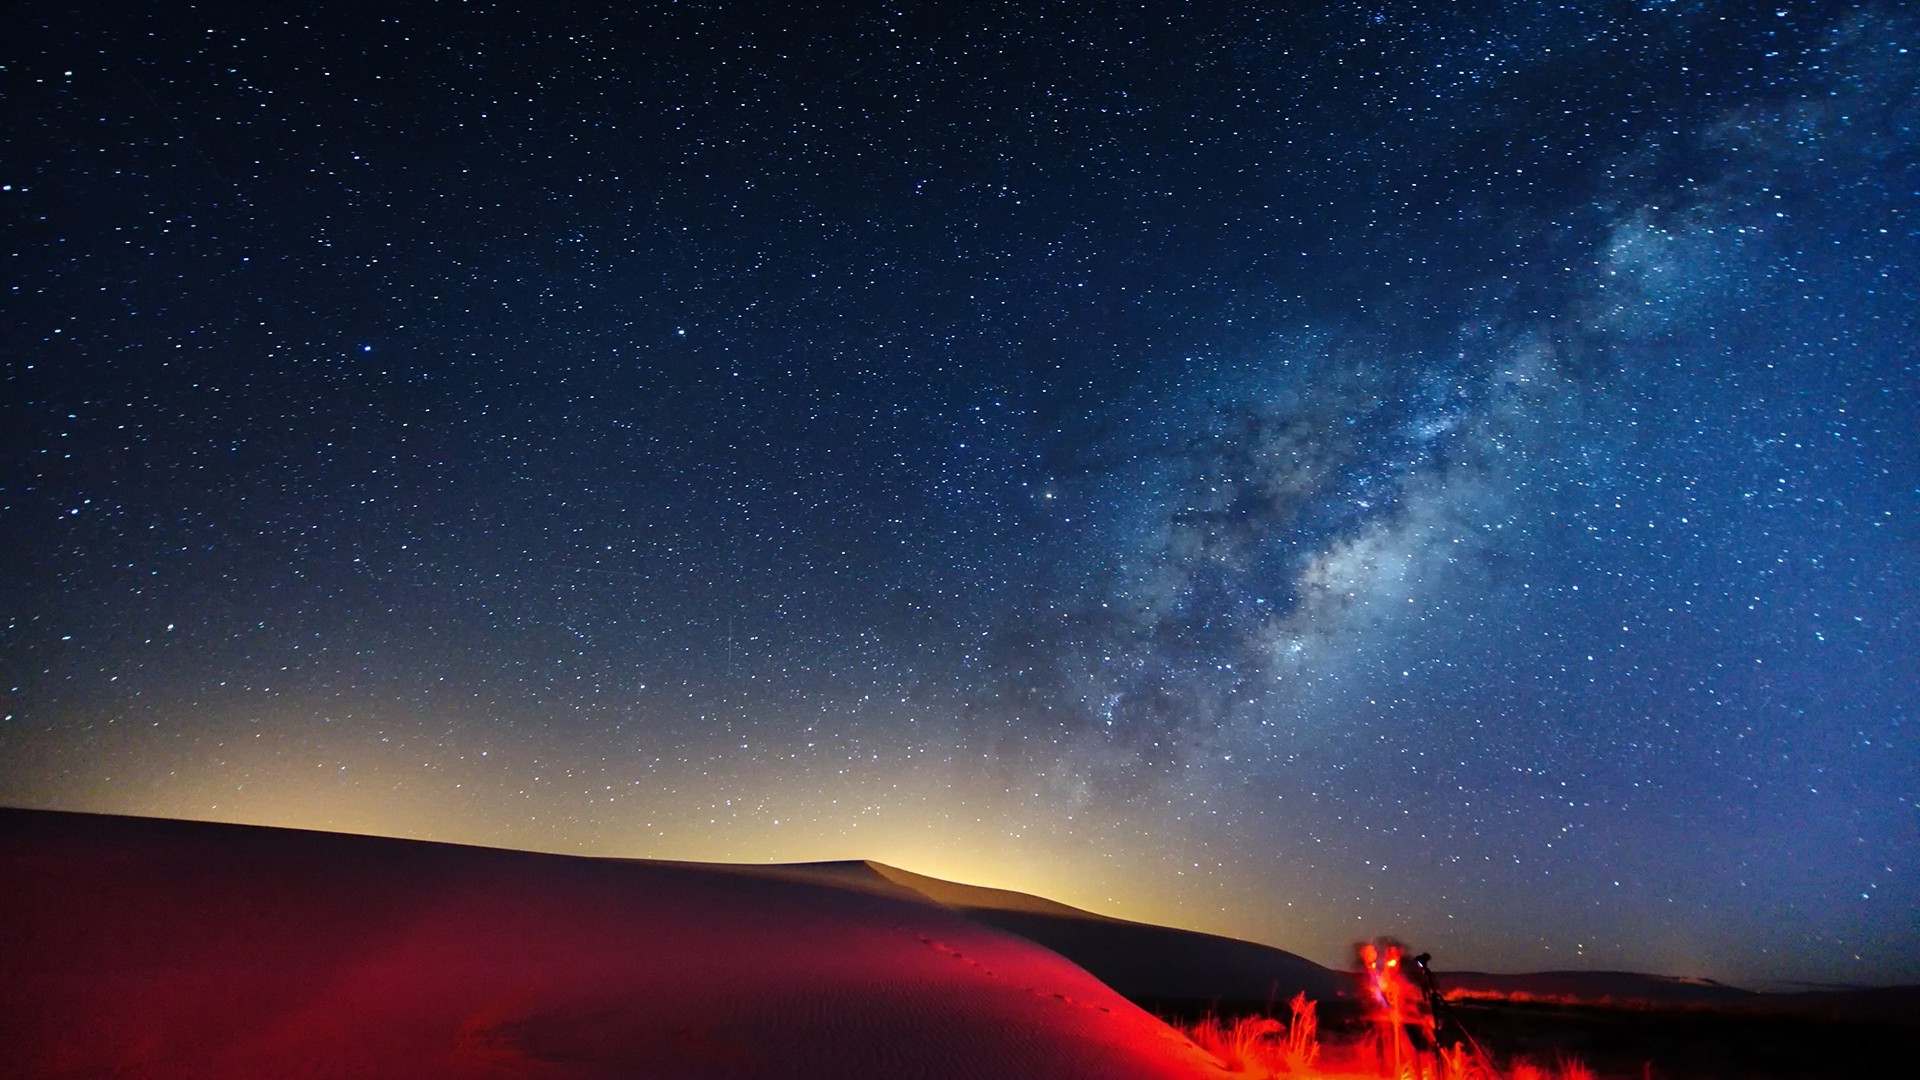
(137, 947)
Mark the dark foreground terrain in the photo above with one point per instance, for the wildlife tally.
(1700, 1043)
(1863, 1034)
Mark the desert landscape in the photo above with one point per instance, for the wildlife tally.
(165, 948)
(716, 540)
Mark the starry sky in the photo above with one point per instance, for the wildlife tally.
(1450, 470)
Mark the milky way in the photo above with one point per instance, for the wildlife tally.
(1382, 469)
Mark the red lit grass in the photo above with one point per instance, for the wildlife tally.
(1567, 1069)
(1248, 1045)
(1263, 1048)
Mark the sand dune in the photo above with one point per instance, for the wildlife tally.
(153, 948)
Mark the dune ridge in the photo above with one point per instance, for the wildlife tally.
(171, 949)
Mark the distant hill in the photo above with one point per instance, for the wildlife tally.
(1592, 987)
(1635, 990)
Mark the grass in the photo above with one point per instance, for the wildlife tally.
(1568, 1069)
(1263, 1048)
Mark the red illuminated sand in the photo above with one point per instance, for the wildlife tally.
(156, 948)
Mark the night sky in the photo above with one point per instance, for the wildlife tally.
(1449, 470)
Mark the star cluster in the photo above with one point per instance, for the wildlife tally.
(1443, 470)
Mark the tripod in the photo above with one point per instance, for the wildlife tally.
(1445, 1020)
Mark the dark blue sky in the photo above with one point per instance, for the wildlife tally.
(1441, 470)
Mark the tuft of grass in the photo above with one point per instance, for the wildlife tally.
(1302, 1047)
(1567, 1068)
(1249, 1045)
(1574, 1069)
(1261, 1046)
